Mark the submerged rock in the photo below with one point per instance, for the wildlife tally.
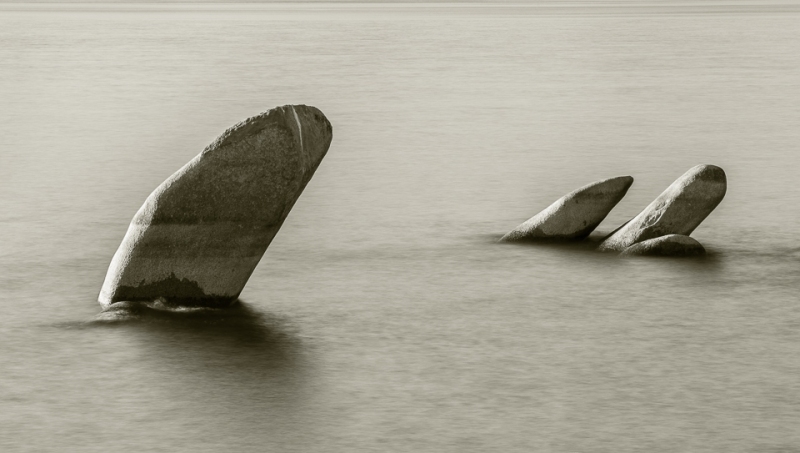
(157, 310)
(678, 210)
(669, 245)
(201, 233)
(575, 215)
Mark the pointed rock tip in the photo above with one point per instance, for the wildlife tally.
(616, 183)
(575, 215)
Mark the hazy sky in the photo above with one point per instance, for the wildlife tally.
(570, 3)
(323, 1)
(531, 2)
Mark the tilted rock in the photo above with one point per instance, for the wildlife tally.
(678, 210)
(201, 233)
(669, 245)
(575, 215)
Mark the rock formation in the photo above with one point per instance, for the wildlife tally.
(678, 210)
(574, 215)
(669, 245)
(201, 233)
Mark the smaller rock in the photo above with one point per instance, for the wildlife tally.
(575, 215)
(678, 210)
(669, 245)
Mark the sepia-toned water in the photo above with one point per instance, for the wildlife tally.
(384, 317)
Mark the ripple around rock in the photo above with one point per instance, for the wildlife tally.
(200, 234)
(575, 215)
(678, 210)
(669, 245)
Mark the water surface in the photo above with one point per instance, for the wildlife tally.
(384, 316)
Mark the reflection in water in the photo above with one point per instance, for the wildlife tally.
(237, 337)
(589, 247)
(240, 322)
(247, 369)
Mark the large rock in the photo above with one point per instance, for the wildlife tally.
(669, 245)
(574, 215)
(201, 233)
(678, 210)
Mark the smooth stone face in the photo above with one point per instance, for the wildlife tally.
(201, 233)
(678, 210)
(575, 215)
(669, 245)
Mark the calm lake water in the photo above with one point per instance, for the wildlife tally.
(385, 317)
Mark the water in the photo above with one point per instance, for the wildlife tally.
(384, 317)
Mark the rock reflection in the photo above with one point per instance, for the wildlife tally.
(236, 371)
(205, 329)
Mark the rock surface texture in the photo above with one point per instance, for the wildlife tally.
(678, 210)
(201, 233)
(669, 245)
(575, 215)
